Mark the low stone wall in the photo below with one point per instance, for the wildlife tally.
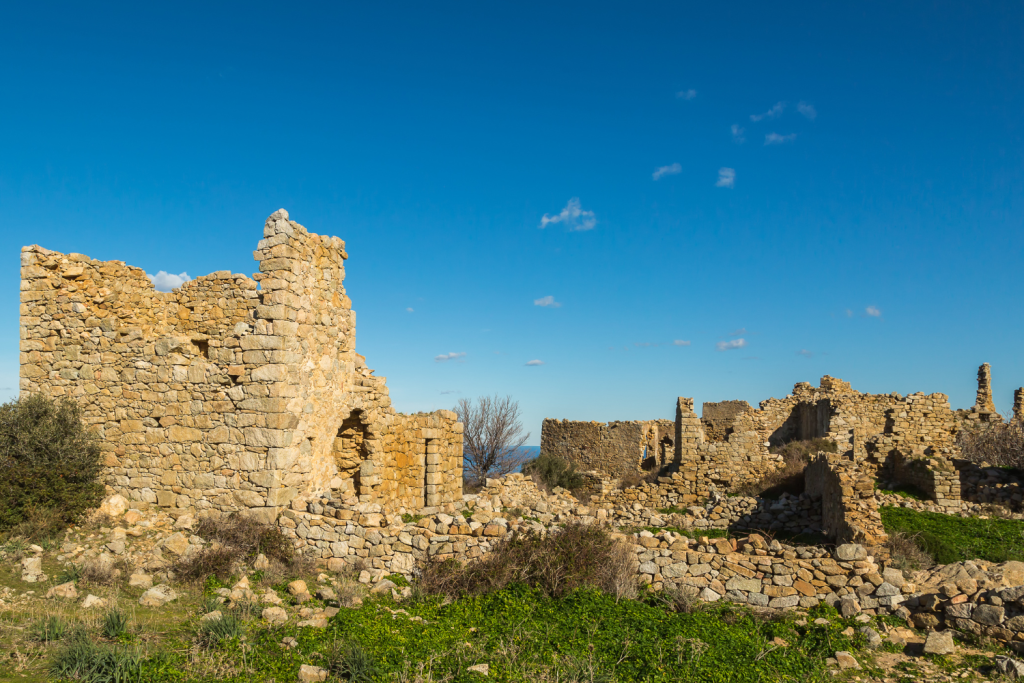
(849, 509)
(936, 477)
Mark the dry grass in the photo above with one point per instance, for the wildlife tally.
(557, 563)
(240, 539)
(999, 445)
(906, 553)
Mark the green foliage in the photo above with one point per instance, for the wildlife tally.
(689, 533)
(904, 491)
(672, 510)
(952, 539)
(213, 631)
(70, 572)
(350, 662)
(115, 625)
(49, 629)
(553, 471)
(50, 464)
(80, 659)
(398, 579)
(411, 519)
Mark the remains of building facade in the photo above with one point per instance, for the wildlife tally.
(231, 393)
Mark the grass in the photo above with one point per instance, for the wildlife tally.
(904, 491)
(689, 533)
(950, 539)
(411, 519)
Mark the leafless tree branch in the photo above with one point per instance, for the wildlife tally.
(492, 437)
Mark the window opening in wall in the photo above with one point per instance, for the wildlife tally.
(427, 458)
(350, 449)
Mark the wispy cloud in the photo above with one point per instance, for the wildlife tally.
(165, 282)
(849, 313)
(873, 311)
(726, 177)
(574, 217)
(534, 362)
(547, 302)
(409, 310)
(680, 342)
(805, 353)
(686, 94)
(808, 110)
(776, 139)
(773, 113)
(671, 169)
(737, 133)
(445, 357)
(738, 333)
(731, 344)
(450, 391)
(643, 344)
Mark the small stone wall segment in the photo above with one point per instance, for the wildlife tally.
(719, 418)
(848, 507)
(616, 448)
(1018, 405)
(229, 393)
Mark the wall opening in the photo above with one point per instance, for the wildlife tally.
(429, 471)
(202, 347)
(350, 450)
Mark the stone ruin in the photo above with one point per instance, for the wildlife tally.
(879, 437)
(231, 393)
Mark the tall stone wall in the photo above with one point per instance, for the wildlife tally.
(848, 507)
(229, 393)
(616, 448)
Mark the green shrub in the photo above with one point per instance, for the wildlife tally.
(48, 629)
(557, 564)
(114, 625)
(80, 659)
(49, 466)
(349, 661)
(553, 471)
(213, 631)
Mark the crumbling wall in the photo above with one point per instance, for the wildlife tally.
(848, 507)
(229, 393)
(616, 448)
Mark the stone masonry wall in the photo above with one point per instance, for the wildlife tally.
(616, 448)
(228, 393)
(848, 507)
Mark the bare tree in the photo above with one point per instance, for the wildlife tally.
(492, 438)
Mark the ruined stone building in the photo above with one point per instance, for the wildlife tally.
(231, 393)
(908, 439)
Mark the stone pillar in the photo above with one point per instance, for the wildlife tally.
(1018, 405)
(984, 404)
(689, 430)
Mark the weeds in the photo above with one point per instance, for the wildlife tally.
(552, 471)
(906, 552)
(81, 659)
(213, 631)
(242, 539)
(949, 539)
(998, 444)
(349, 661)
(70, 573)
(115, 625)
(49, 629)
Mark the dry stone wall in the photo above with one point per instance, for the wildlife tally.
(848, 507)
(230, 392)
(616, 448)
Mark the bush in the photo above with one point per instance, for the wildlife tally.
(49, 629)
(349, 661)
(83, 660)
(213, 631)
(905, 552)
(557, 564)
(552, 471)
(1001, 445)
(49, 466)
(242, 538)
(114, 625)
(790, 477)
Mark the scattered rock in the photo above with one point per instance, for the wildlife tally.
(176, 543)
(187, 522)
(261, 563)
(158, 596)
(846, 661)
(939, 643)
(298, 586)
(275, 615)
(215, 615)
(851, 552)
(93, 601)
(310, 674)
(1010, 667)
(140, 581)
(65, 590)
(874, 641)
(32, 569)
(383, 586)
(115, 506)
(484, 669)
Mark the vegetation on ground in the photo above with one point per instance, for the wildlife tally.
(904, 491)
(239, 540)
(789, 478)
(947, 539)
(550, 471)
(51, 466)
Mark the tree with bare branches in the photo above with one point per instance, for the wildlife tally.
(492, 435)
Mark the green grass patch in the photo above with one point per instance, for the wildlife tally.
(953, 539)
(904, 491)
(411, 519)
(689, 533)
(672, 510)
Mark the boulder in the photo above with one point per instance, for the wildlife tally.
(140, 581)
(846, 661)
(93, 601)
(851, 552)
(176, 543)
(939, 643)
(1012, 668)
(311, 674)
(115, 506)
(298, 586)
(275, 615)
(158, 596)
(65, 590)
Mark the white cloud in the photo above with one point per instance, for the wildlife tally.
(808, 110)
(773, 113)
(547, 302)
(737, 134)
(776, 139)
(444, 357)
(686, 94)
(680, 342)
(165, 282)
(738, 333)
(409, 310)
(726, 177)
(873, 311)
(671, 169)
(805, 353)
(450, 391)
(574, 217)
(534, 362)
(732, 344)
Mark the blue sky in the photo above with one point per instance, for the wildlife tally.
(841, 188)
